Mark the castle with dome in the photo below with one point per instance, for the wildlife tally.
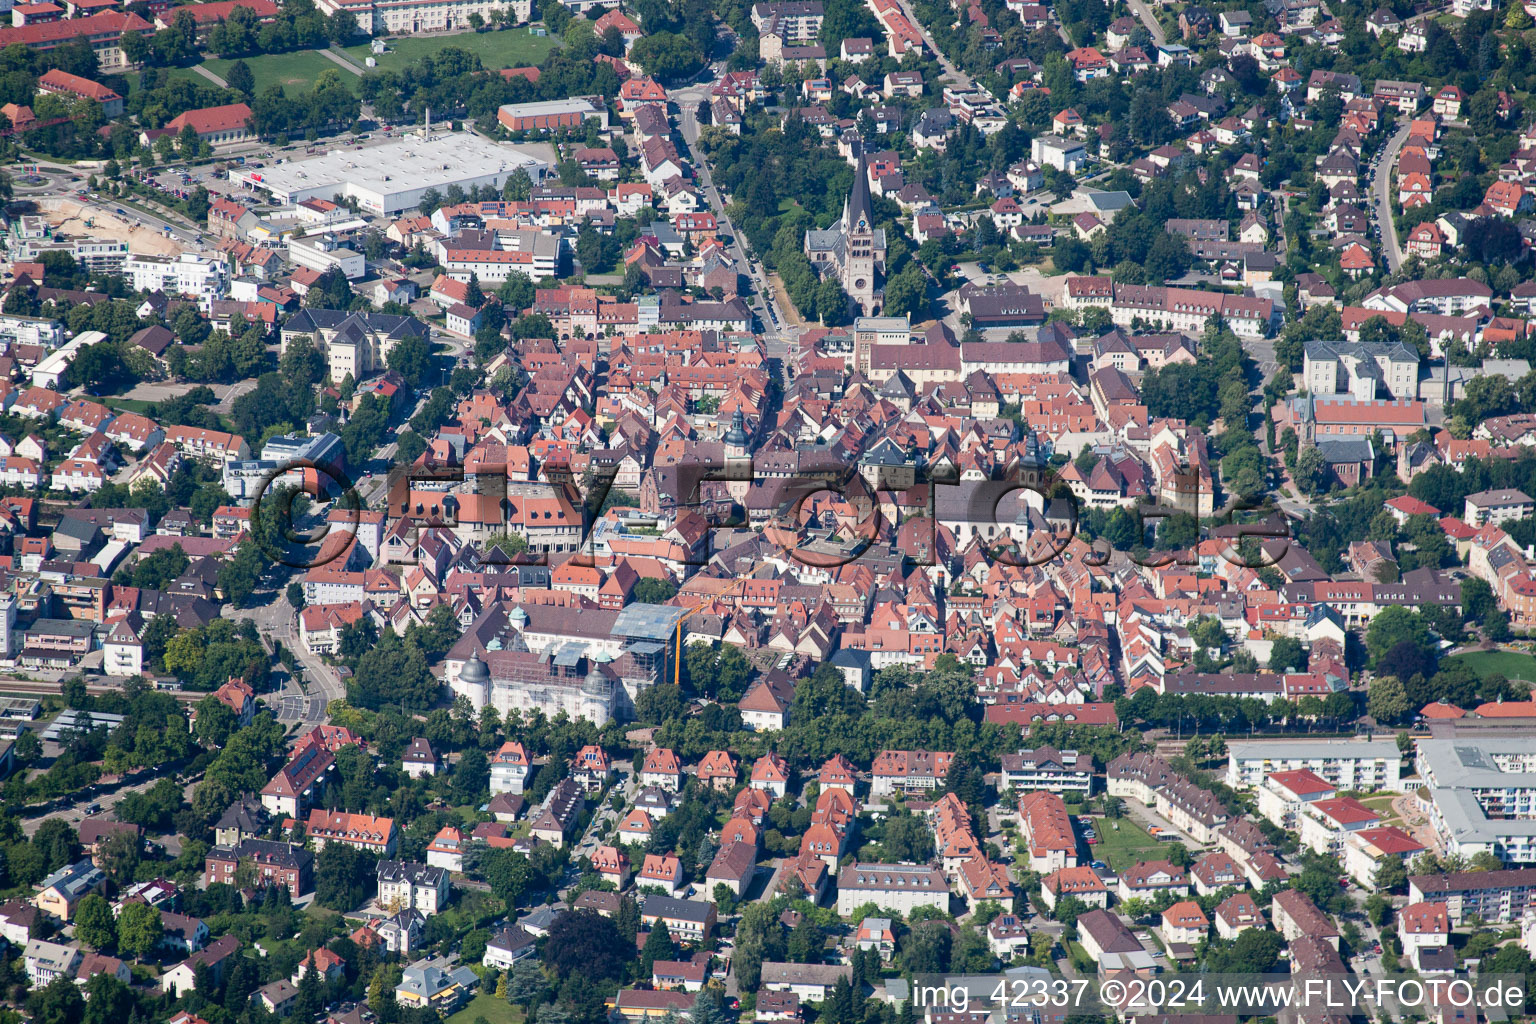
(590, 663)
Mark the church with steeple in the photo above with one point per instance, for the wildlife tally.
(853, 248)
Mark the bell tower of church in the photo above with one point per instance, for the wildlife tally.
(860, 259)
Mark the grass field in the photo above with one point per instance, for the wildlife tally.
(137, 405)
(173, 74)
(509, 48)
(496, 1011)
(1123, 848)
(295, 72)
(1504, 663)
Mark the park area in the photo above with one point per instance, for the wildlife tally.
(1123, 847)
(488, 1008)
(509, 48)
(295, 71)
(1509, 664)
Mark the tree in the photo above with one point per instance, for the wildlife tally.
(393, 672)
(344, 877)
(831, 302)
(330, 291)
(517, 189)
(239, 78)
(412, 359)
(1395, 625)
(101, 366)
(118, 855)
(658, 946)
(1391, 876)
(667, 56)
(587, 943)
(805, 942)
(661, 703)
(1071, 255)
(295, 595)
(652, 590)
(1311, 473)
(341, 27)
(470, 776)
(240, 576)
(525, 984)
(509, 874)
(108, 1001)
(1496, 627)
(139, 929)
(94, 924)
(1387, 700)
(59, 1003)
(1477, 600)
(1254, 951)
(1287, 653)
(474, 296)
(907, 293)
(56, 842)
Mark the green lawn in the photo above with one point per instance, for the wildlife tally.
(137, 405)
(1505, 663)
(295, 72)
(496, 1011)
(1120, 849)
(1382, 805)
(509, 48)
(172, 74)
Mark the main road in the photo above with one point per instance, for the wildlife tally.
(763, 303)
(1381, 198)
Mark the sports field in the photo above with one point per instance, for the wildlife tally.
(295, 71)
(509, 48)
(1509, 664)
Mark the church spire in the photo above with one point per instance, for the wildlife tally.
(858, 204)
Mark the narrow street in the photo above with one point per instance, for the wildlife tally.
(1381, 199)
(960, 78)
(1142, 11)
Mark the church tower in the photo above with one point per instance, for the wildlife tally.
(864, 246)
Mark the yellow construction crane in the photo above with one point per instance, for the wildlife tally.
(677, 661)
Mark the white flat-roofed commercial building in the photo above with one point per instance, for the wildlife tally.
(394, 176)
(1367, 765)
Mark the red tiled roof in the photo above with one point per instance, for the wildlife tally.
(1506, 709)
(63, 81)
(55, 33)
(213, 119)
